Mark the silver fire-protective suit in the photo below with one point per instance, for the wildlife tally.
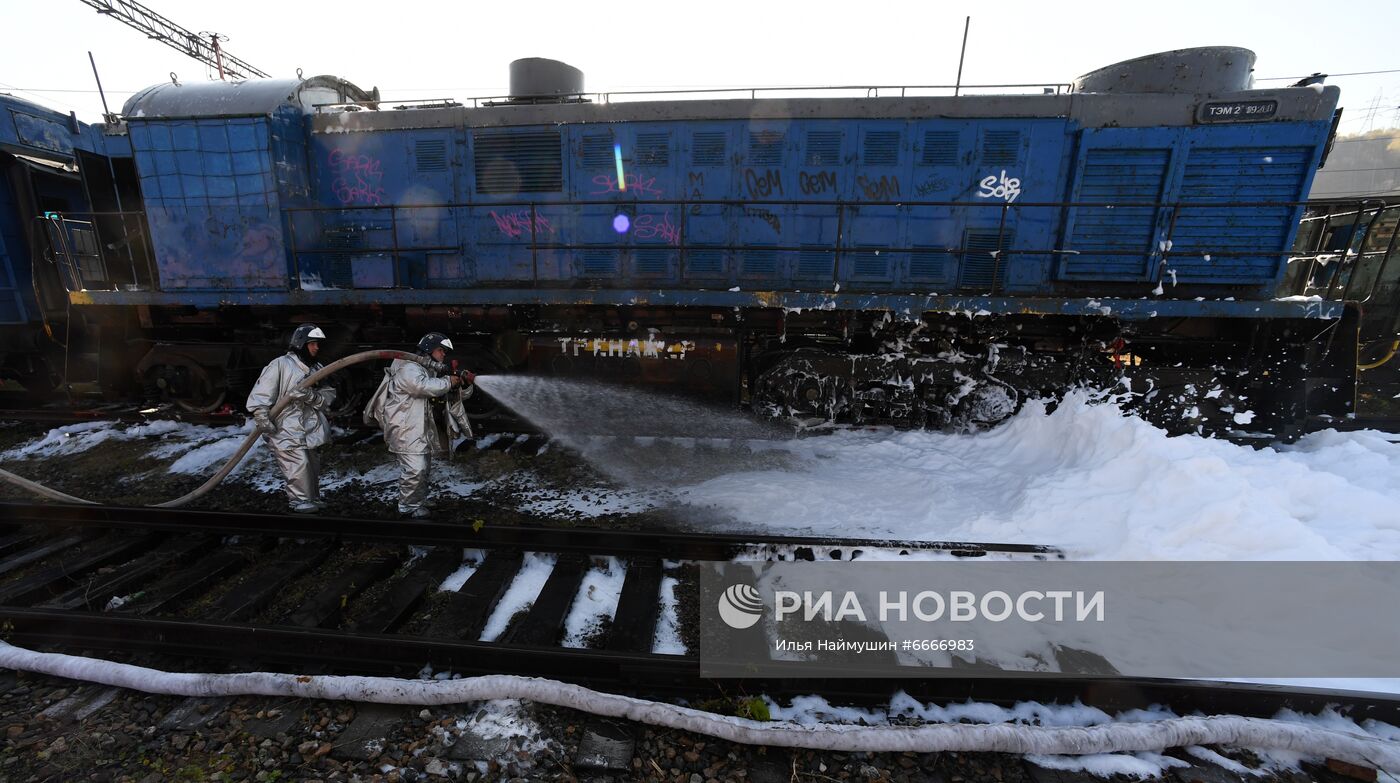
(301, 427)
(401, 407)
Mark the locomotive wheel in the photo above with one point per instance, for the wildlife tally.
(988, 404)
(36, 377)
(189, 386)
(202, 405)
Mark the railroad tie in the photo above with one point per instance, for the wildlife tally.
(189, 583)
(246, 599)
(465, 612)
(638, 606)
(60, 577)
(543, 623)
(96, 593)
(32, 554)
(18, 541)
(408, 592)
(326, 607)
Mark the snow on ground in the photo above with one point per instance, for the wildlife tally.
(586, 501)
(471, 560)
(524, 589)
(667, 639)
(1085, 478)
(596, 600)
(77, 438)
(1142, 766)
(193, 449)
(816, 711)
(208, 455)
(506, 719)
(199, 450)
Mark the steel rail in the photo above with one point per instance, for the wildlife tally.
(585, 540)
(243, 645)
(136, 413)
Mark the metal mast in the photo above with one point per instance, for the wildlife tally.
(201, 46)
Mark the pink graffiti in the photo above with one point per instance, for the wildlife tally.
(652, 227)
(517, 224)
(643, 188)
(358, 178)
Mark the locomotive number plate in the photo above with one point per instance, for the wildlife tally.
(1237, 111)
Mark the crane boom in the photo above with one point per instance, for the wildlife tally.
(202, 48)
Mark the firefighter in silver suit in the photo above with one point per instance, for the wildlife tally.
(302, 425)
(401, 407)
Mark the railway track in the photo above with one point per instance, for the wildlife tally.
(132, 413)
(337, 595)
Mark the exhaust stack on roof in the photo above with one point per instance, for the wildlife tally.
(1205, 70)
(537, 79)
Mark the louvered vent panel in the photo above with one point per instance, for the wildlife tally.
(981, 261)
(598, 263)
(930, 265)
(1119, 177)
(815, 264)
(1237, 174)
(873, 264)
(519, 162)
(881, 148)
(940, 148)
(708, 148)
(823, 148)
(653, 149)
(1001, 148)
(430, 155)
(760, 262)
(598, 151)
(765, 148)
(652, 262)
(704, 262)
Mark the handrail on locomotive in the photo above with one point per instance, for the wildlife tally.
(752, 93)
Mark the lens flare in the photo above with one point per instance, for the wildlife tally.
(621, 224)
(617, 156)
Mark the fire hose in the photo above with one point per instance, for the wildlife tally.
(223, 472)
(1353, 745)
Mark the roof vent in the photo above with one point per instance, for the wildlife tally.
(1205, 70)
(539, 80)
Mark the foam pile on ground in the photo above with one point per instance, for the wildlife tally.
(1086, 478)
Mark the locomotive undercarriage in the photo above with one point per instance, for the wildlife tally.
(945, 371)
(963, 373)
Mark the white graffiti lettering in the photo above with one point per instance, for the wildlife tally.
(1006, 188)
(649, 348)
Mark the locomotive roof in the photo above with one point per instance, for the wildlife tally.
(253, 96)
(1087, 109)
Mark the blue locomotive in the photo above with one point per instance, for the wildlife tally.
(927, 260)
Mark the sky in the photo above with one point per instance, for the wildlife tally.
(420, 49)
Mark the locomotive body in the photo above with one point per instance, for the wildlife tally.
(924, 260)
